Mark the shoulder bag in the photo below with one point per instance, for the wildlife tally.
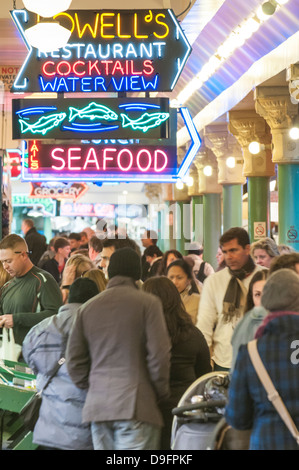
(30, 412)
(273, 395)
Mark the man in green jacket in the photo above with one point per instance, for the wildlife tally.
(31, 295)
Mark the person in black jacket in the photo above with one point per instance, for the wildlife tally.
(55, 265)
(190, 355)
(37, 243)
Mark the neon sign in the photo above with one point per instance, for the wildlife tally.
(109, 50)
(82, 118)
(83, 162)
(63, 191)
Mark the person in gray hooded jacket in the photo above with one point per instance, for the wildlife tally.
(60, 422)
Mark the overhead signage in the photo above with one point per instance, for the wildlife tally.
(109, 161)
(59, 191)
(87, 209)
(108, 51)
(83, 118)
(47, 204)
(84, 162)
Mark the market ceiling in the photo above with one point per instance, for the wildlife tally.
(262, 59)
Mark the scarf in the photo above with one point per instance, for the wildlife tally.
(235, 296)
(271, 316)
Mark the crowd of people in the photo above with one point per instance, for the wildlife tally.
(137, 326)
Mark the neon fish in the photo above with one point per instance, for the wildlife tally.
(43, 125)
(145, 122)
(93, 111)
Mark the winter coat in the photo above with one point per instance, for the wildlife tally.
(37, 245)
(60, 420)
(248, 405)
(119, 349)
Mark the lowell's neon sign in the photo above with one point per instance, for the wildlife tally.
(109, 50)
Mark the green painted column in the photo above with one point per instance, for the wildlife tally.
(258, 207)
(288, 205)
(197, 218)
(211, 227)
(182, 225)
(232, 206)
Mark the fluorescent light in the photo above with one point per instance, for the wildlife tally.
(47, 37)
(47, 8)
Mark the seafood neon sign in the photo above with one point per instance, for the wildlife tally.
(81, 118)
(109, 50)
(88, 162)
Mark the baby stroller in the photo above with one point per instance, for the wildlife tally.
(199, 422)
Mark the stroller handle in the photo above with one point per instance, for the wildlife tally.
(179, 411)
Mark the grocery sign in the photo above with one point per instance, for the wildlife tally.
(108, 51)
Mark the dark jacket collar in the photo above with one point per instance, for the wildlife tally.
(121, 281)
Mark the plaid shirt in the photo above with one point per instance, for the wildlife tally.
(248, 406)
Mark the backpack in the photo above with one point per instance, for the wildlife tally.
(200, 275)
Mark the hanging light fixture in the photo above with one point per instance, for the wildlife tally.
(47, 8)
(47, 37)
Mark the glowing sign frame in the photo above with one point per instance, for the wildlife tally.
(150, 56)
(178, 173)
(83, 118)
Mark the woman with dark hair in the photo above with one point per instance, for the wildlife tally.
(254, 314)
(168, 257)
(181, 274)
(190, 355)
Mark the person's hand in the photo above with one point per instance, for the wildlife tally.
(6, 321)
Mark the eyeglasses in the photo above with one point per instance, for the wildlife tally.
(20, 252)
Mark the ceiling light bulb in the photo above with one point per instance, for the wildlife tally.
(294, 133)
(269, 8)
(47, 8)
(47, 37)
(189, 181)
(179, 184)
(208, 170)
(231, 162)
(254, 148)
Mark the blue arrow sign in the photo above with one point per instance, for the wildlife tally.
(195, 143)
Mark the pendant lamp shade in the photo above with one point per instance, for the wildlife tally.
(47, 37)
(47, 8)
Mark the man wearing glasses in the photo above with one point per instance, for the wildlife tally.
(30, 295)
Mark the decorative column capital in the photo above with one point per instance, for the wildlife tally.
(207, 184)
(153, 192)
(275, 106)
(247, 126)
(225, 145)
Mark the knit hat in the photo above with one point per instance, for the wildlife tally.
(281, 291)
(125, 262)
(82, 290)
